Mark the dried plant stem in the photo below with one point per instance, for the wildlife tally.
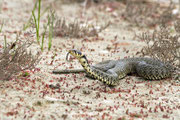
(68, 71)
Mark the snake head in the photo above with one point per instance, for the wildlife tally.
(76, 53)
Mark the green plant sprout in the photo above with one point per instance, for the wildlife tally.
(37, 21)
(5, 42)
(51, 19)
(43, 35)
(29, 23)
(25, 26)
(2, 24)
(50, 24)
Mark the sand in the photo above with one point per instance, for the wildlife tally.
(76, 96)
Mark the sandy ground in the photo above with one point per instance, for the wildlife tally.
(78, 97)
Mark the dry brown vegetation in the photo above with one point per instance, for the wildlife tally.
(44, 95)
(14, 58)
(146, 13)
(162, 44)
(76, 29)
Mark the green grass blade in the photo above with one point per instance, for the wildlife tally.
(50, 23)
(43, 35)
(39, 15)
(5, 42)
(1, 26)
(37, 30)
(28, 24)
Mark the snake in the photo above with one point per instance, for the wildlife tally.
(111, 71)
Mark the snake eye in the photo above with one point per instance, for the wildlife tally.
(78, 52)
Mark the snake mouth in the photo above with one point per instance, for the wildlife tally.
(67, 57)
(75, 53)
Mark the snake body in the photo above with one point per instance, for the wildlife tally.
(111, 71)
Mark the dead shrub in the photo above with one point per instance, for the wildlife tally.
(76, 29)
(162, 44)
(145, 13)
(14, 58)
